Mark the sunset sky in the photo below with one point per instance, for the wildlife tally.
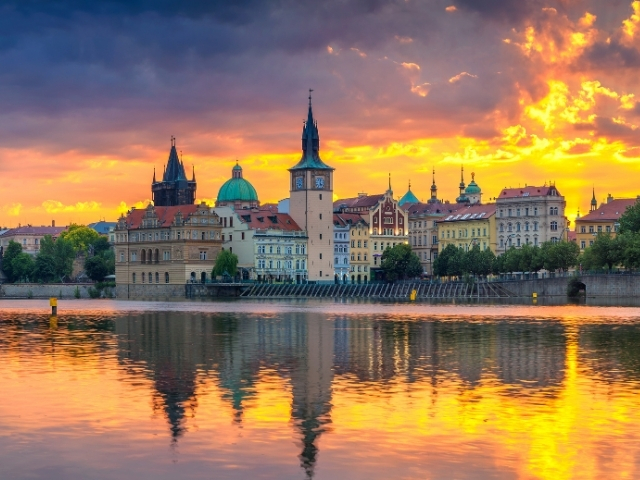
(519, 92)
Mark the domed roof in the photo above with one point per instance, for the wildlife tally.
(408, 197)
(473, 187)
(237, 189)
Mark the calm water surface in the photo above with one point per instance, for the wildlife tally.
(243, 390)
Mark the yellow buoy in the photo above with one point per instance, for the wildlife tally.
(414, 294)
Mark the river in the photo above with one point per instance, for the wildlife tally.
(324, 390)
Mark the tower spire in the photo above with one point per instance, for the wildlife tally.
(154, 174)
(193, 169)
(390, 182)
(594, 202)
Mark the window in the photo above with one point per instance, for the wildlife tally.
(535, 211)
(166, 255)
(203, 254)
(320, 216)
(375, 245)
(359, 244)
(535, 241)
(526, 212)
(122, 256)
(590, 243)
(509, 227)
(320, 256)
(535, 228)
(270, 248)
(554, 226)
(157, 277)
(230, 237)
(608, 228)
(134, 257)
(583, 244)
(261, 249)
(526, 226)
(320, 236)
(133, 277)
(599, 228)
(518, 212)
(321, 199)
(553, 210)
(591, 229)
(353, 244)
(278, 250)
(365, 244)
(509, 212)
(166, 277)
(518, 227)
(142, 277)
(501, 227)
(261, 264)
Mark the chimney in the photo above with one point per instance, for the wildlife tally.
(53, 223)
(609, 198)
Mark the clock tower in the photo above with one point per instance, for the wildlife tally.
(311, 202)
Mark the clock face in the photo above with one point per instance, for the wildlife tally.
(299, 183)
(319, 182)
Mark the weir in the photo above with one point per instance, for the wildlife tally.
(480, 290)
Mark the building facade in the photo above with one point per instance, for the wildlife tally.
(280, 248)
(174, 188)
(29, 237)
(530, 216)
(311, 203)
(341, 252)
(602, 219)
(237, 237)
(474, 225)
(170, 245)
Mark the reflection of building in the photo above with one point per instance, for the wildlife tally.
(602, 219)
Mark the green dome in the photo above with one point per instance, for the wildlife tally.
(237, 189)
(472, 188)
(408, 197)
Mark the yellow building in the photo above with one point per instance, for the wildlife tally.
(470, 226)
(360, 259)
(602, 219)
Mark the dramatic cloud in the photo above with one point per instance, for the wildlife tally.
(521, 91)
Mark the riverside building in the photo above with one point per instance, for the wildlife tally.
(530, 216)
(470, 226)
(311, 203)
(601, 219)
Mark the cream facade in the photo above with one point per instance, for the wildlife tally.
(530, 216)
(237, 237)
(311, 203)
(170, 245)
(602, 219)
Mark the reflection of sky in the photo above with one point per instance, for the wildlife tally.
(160, 395)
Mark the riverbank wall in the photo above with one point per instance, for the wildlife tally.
(37, 290)
(594, 286)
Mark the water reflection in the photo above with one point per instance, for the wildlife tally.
(506, 397)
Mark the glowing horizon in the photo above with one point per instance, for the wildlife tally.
(515, 93)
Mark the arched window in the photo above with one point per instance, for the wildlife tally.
(501, 227)
(509, 227)
(518, 227)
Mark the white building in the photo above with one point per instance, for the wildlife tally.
(530, 216)
(341, 226)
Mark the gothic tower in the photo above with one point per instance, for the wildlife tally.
(311, 202)
(174, 189)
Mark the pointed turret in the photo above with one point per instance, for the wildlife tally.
(594, 202)
(408, 197)
(390, 189)
(434, 188)
(310, 144)
(175, 168)
(154, 174)
(174, 188)
(193, 174)
(462, 198)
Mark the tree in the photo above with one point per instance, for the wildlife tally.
(80, 236)
(630, 219)
(560, 255)
(630, 247)
(96, 268)
(100, 246)
(45, 267)
(456, 263)
(226, 262)
(13, 250)
(400, 262)
(441, 263)
(605, 251)
(486, 262)
(22, 267)
(64, 253)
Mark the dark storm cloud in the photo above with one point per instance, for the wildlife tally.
(609, 56)
(512, 11)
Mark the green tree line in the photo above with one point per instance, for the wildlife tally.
(54, 260)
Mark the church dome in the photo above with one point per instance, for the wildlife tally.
(237, 189)
(408, 197)
(473, 187)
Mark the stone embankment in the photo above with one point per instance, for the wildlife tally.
(37, 290)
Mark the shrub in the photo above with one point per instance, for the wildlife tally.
(94, 292)
(77, 292)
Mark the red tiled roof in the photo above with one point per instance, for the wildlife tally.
(472, 212)
(528, 192)
(165, 215)
(343, 219)
(29, 230)
(263, 220)
(608, 211)
(361, 201)
(270, 207)
(435, 208)
(571, 236)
